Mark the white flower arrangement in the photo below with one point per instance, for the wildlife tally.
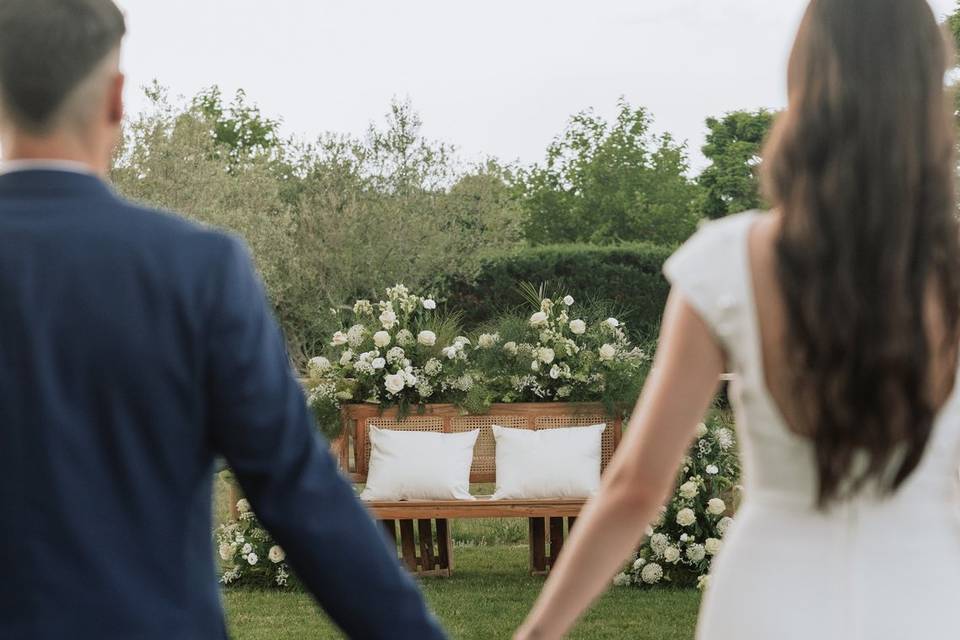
(242, 546)
(690, 528)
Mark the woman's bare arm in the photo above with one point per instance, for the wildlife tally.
(679, 391)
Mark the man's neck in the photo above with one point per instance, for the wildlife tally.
(51, 149)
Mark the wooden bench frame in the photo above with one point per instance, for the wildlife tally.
(421, 528)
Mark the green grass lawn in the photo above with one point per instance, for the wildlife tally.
(486, 598)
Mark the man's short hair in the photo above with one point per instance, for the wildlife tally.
(47, 49)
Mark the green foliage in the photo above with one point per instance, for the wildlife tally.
(329, 221)
(730, 184)
(953, 26)
(605, 183)
(626, 279)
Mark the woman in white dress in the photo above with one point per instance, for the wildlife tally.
(838, 312)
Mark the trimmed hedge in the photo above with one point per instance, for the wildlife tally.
(626, 278)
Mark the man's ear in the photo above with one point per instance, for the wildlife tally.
(115, 100)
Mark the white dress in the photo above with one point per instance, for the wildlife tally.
(869, 568)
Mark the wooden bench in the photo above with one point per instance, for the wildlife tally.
(421, 528)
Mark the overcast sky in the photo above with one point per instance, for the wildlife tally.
(499, 77)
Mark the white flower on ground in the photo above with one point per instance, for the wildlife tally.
(555, 372)
(355, 335)
(539, 319)
(425, 390)
(613, 323)
(621, 580)
(716, 506)
(702, 430)
(712, 469)
(460, 342)
(427, 338)
(252, 559)
(608, 352)
(488, 340)
(276, 554)
(243, 505)
(568, 300)
(339, 339)
(395, 383)
(378, 363)
(319, 364)
(671, 555)
(226, 551)
(511, 348)
(408, 378)
(713, 546)
(696, 552)
(689, 490)
(686, 517)
(578, 327)
(564, 392)
(388, 319)
(724, 438)
(363, 308)
(405, 338)
(659, 542)
(652, 573)
(433, 367)
(247, 548)
(450, 353)
(724, 524)
(684, 537)
(382, 339)
(703, 582)
(546, 355)
(535, 365)
(346, 358)
(395, 355)
(429, 304)
(638, 564)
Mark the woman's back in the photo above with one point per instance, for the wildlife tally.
(788, 568)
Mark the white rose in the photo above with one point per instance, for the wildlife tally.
(568, 300)
(621, 580)
(243, 505)
(608, 352)
(613, 323)
(388, 318)
(395, 383)
(671, 555)
(554, 372)
(686, 517)
(339, 339)
(651, 573)
(487, 340)
(547, 355)
(450, 352)
(716, 507)
(638, 564)
(378, 363)
(346, 358)
(252, 559)
(689, 490)
(712, 469)
(511, 348)
(712, 546)
(381, 339)
(276, 554)
(696, 552)
(538, 319)
(429, 304)
(702, 430)
(684, 537)
(723, 525)
(535, 365)
(247, 548)
(226, 551)
(427, 338)
(578, 327)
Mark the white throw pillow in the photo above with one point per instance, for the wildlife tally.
(419, 465)
(549, 463)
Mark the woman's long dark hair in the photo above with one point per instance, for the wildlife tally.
(861, 167)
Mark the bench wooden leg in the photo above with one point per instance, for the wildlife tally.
(426, 545)
(538, 545)
(408, 545)
(556, 540)
(435, 557)
(444, 547)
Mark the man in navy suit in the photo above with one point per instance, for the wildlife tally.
(134, 348)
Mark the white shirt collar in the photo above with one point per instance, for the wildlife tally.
(70, 166)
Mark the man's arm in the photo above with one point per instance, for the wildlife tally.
(261, 424)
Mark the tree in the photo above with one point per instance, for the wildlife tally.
(730, 183)
(609, 182)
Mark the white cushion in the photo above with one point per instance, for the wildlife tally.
(549, 463)
(419, 465)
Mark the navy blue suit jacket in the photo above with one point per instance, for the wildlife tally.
(134, 348)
